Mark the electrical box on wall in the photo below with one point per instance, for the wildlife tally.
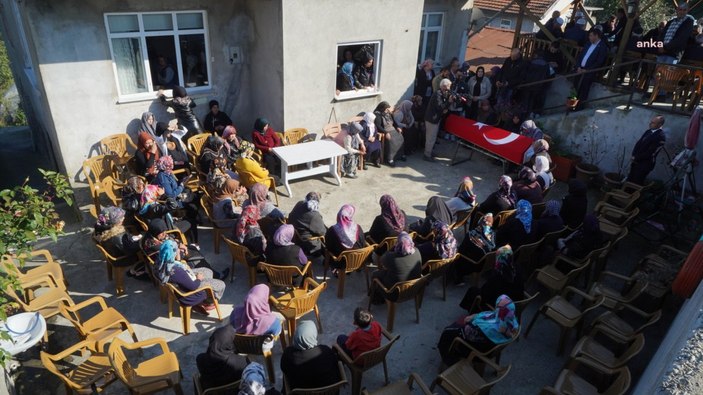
(235, 55)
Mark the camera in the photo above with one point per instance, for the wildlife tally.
(458, 97)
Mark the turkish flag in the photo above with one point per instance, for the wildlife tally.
(500, 142)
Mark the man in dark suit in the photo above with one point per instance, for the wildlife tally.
(644, 155)
(592, 57)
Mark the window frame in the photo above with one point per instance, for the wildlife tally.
(378, 57)
(510, 23)
(142, 35)
(424, 30)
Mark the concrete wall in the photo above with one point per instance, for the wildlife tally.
(310, 40)
(79, 84)
(456, 22)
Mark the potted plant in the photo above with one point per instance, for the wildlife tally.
(572, 100)
(594, 153)
(614, 180)
(563, 161)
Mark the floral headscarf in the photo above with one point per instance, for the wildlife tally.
(465, 191)
(246, 149)
(501, 319)
(444, 241)
(405, 245)
(391, 213)
(250, 217)
(505, 265)
(505, 184)
(524, 214)
(228, 190)
(149, 196)
(165, 164)
(552, 208)
(346, 228)
(109, 217)
(253, 380)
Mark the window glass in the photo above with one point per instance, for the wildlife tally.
(190, 21)
(506, 23)
(156, 22)
(424, 19)
(431, 45)
(435, 20)
(162, 61)
(123, 23)
(130, 65)
(193, 59)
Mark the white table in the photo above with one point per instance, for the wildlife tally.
(308, 153)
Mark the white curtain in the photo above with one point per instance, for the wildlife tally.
(130, 65)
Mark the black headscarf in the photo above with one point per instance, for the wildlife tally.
(161, 128)
(157, 226)
(479, 79)
(213, 103)
(382, 107)
(437, 209)
(260, 124)
(179, 91)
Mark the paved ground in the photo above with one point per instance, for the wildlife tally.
(533, 360)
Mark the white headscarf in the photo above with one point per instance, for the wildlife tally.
(369, 117)
(541, 164)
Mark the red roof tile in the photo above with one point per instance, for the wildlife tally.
(538, 7)
(489, 47)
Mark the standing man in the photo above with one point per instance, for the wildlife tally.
(644, 155)
(436, 110)
(511, 75)
(592, 57)
(675, 36)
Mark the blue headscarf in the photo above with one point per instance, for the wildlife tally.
(347, 69)
(166, 261)
(494, 323)
(254, 380)
(524, 214)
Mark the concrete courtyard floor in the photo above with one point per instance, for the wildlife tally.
(533, 360)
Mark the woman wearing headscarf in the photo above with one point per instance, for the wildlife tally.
(539, 147)
(168, 138)
(406, 124)
(485, 113)
(391, 222)
(221, 364)
(232, 144)
(527, 187)
(216, 120)
(217, 175)
(505, 278)
(255, 382)
(131, 198)
(393, 140)
(479, 88)
(464, 197)
(146, 156)
(247, 164)
(247, 231)
(308, 223)
(255, 316)
(173, 189)
(574, 204)
(266, 139)
(170, 269)
(182, 106)
(371, 140)
(443, 246)
(544, 176)
(517, 230)
(435, 211)
(213, 148)
(478, 242)
(151, 209)
(510, 120)
(402, 263)
(307, 364)
(352, 142)
(283, 252)
(582, 241)
(529, 129)
(259, 196)
(110, 233)
(345, 78)
(502, 199)
(550, 221)
(345, 234)
(482, 331)
(226, 205)
(148, 124)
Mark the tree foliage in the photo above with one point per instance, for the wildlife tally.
(6, 79)
(662, 9)
(26, 215)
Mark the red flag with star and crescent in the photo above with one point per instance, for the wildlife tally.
(507, 145)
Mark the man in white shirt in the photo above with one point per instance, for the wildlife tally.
(592, 58)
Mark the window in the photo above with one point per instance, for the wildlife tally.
(430, 36)
(158, 50)
(365, 59)
(506, 24)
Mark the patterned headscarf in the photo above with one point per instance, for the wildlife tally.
(253, 380)
(109, 217)
(505, 265)
(305, 336)
(229, 131)
(540, 145)
(284, 235)
(465, 191)
(312, 201)
(494, 323)
(391, 213)
(254, 317)
(166, 263)
(524, 214)
(444, 241)
(246, 149)
(258, 195)
(505, 184)
(405, 245)
(346, 228)
(165, 164)
(552, 208)
(149, 196)
(250, 217)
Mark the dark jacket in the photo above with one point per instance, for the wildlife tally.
(143, 163)
(313, 368)
(343, 83)
(676, 46)
(380, 229)
(335, 247)
(577, 34)
(513, 232)
(575, 204)
(422, 83)
(513, 71)
(597, 58)
(537, 70)
(183, 108)
(532, 192)
(307, 224)
(122, 245)
(214, 122)
(495, 203)
(647, 147)
(221, 364)
(283, 255)
(437, 107)
(399, 268)
(363, 77)
(544, 225)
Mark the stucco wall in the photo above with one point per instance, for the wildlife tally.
(76, 67)
(310, 39)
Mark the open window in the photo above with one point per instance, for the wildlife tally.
(158, 50)
(357, 69)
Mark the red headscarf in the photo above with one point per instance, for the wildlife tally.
(250, 217)
(143, 138)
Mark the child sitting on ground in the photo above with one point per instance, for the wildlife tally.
(366, 337)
